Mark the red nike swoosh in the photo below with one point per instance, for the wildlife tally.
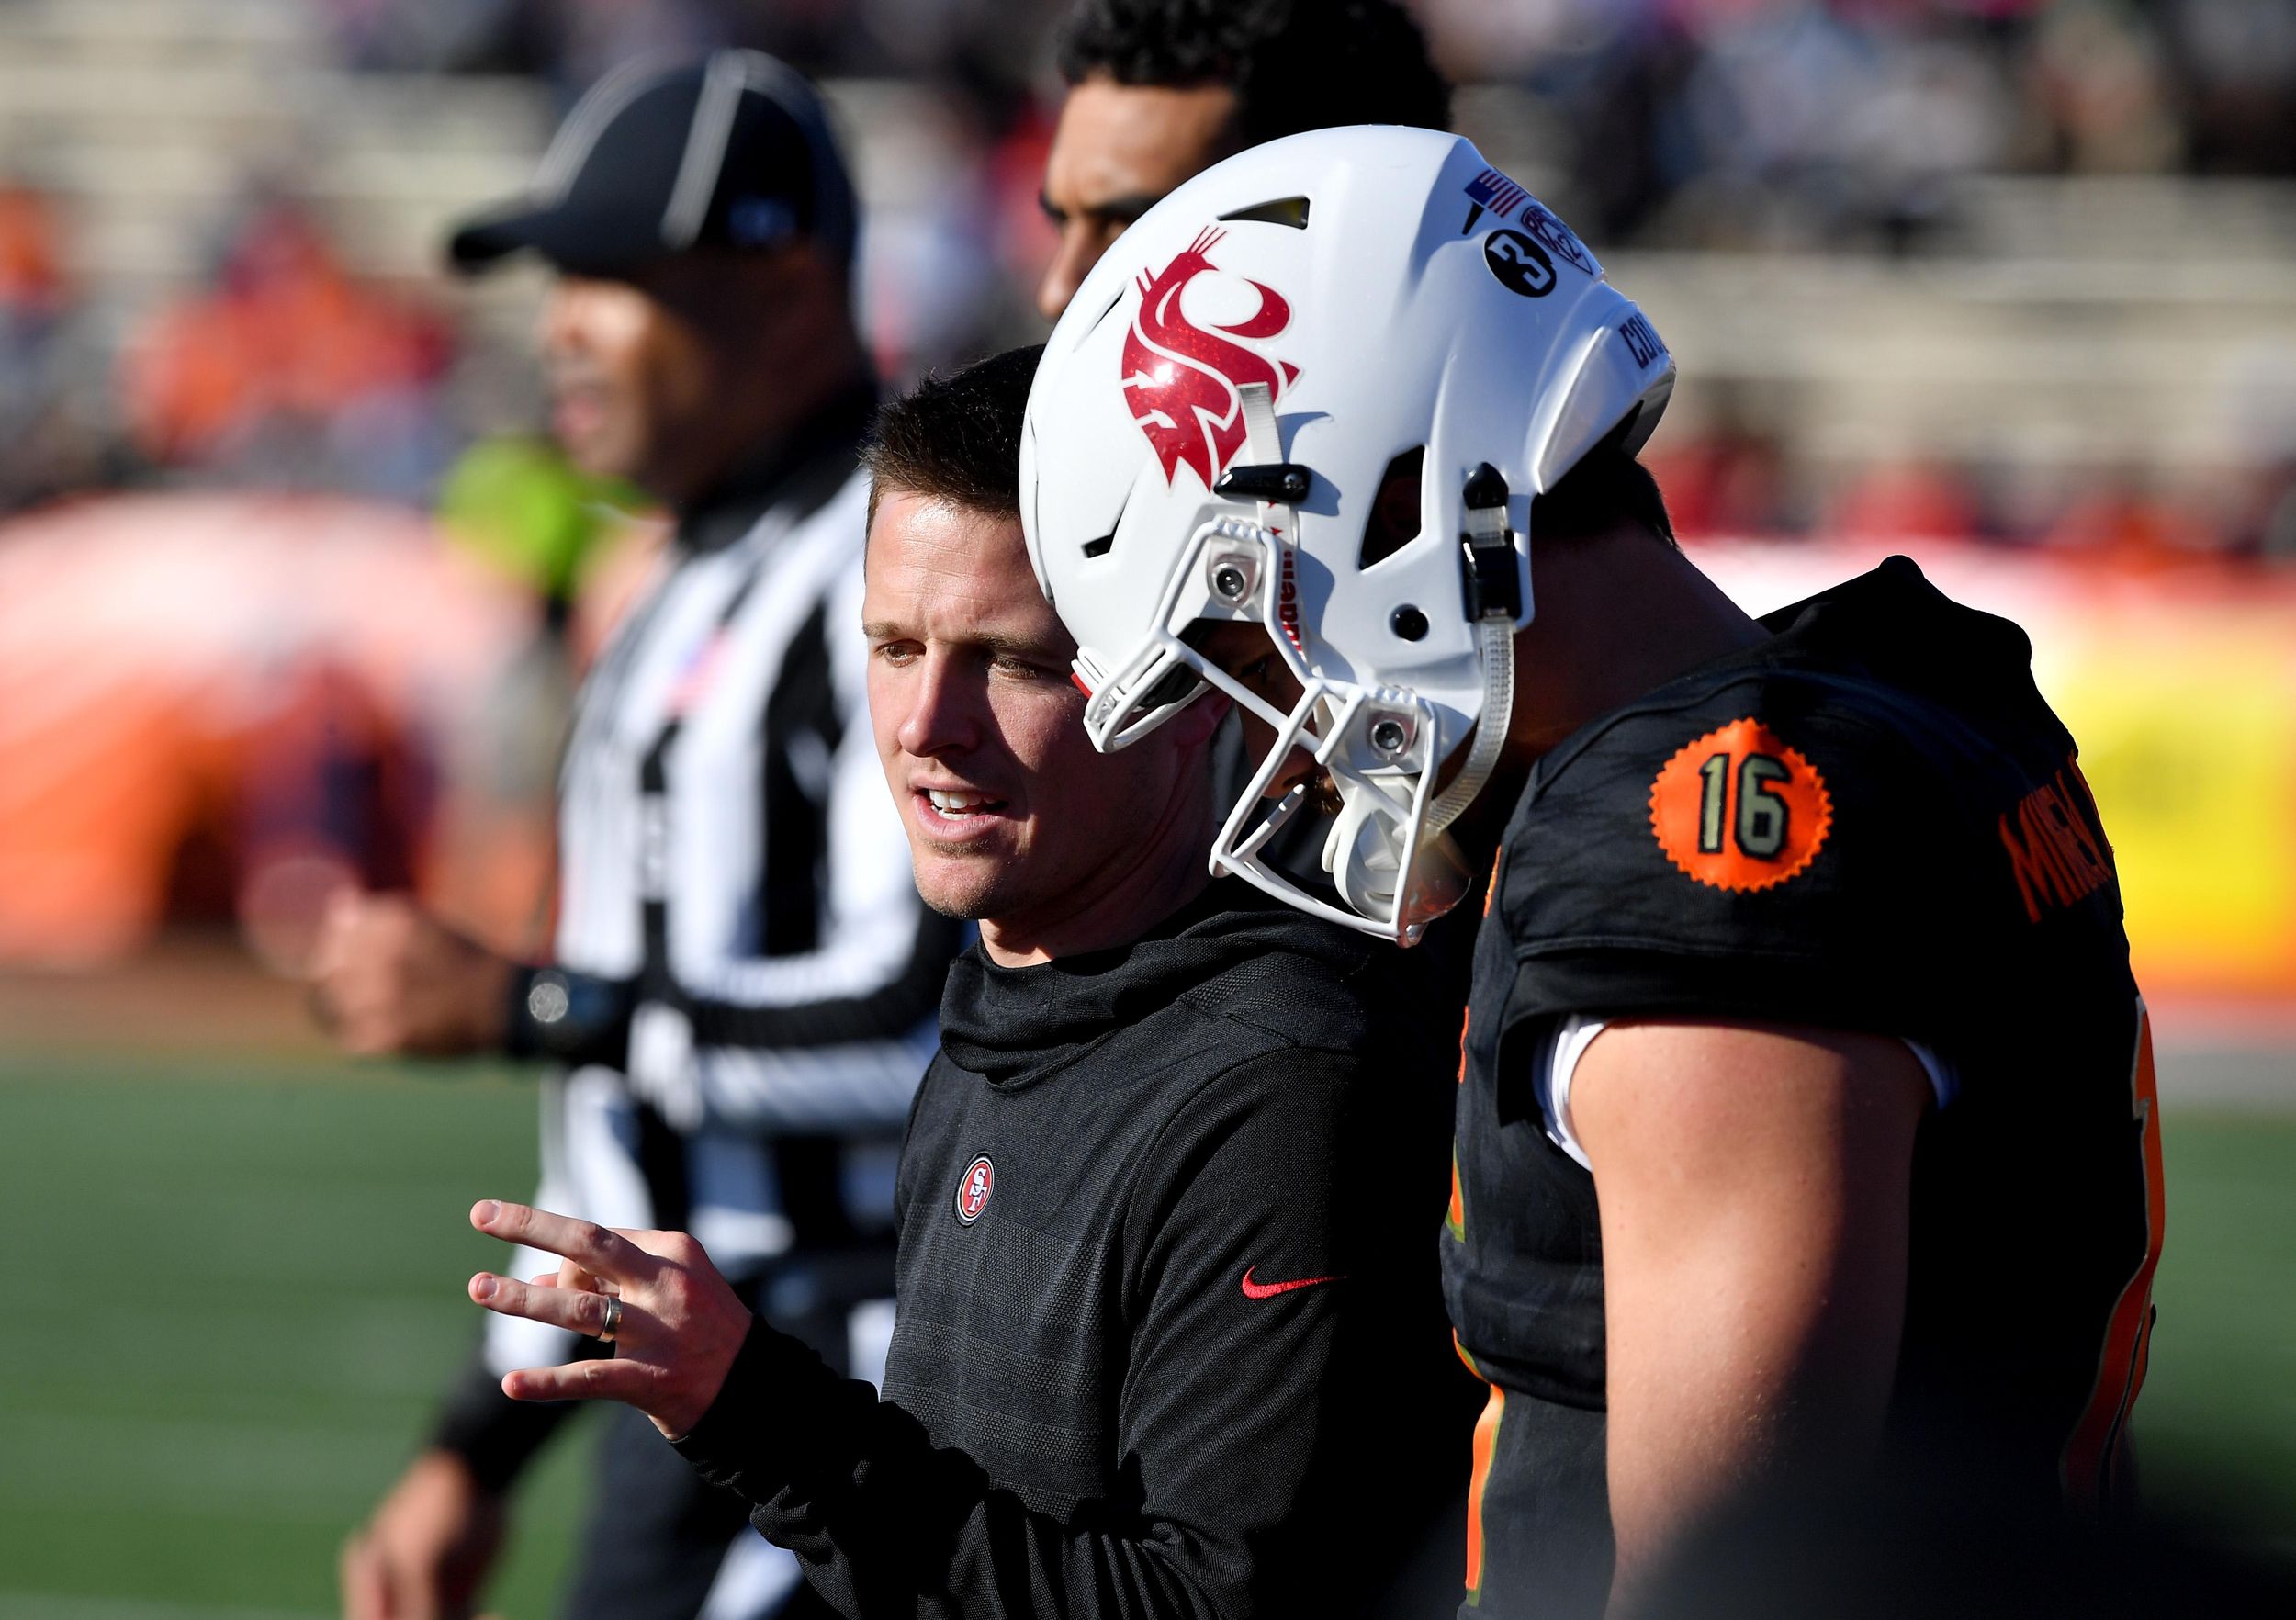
(1253, 1291)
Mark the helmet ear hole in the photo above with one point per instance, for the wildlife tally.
(1393, 522)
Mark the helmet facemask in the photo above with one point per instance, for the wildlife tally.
(1386, 854)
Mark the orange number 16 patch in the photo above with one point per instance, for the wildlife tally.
(1738, 810)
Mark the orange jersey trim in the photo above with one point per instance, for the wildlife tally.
(1486, 1448)
(2096, 1451)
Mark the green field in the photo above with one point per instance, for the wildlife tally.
(233, 1296)
(234, 1302)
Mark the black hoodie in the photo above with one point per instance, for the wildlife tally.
(1169, 1340)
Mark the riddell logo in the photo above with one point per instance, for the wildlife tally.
(1288, 605)
(972, 1189)
(1181, 379)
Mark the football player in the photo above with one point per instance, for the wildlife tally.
(1159, 90)
(1805, 1122)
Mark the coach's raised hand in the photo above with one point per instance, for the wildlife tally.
(680, 1323)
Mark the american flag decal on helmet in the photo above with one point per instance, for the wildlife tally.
(1494, 191)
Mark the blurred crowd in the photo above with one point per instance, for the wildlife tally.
(1685, 111)
(1729, 125)
(1787, 122)
(283, 369)
(1737, 477)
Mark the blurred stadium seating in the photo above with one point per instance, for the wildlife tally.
(1907, 264)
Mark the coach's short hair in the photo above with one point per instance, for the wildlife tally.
(1293, 64)
(956, 438)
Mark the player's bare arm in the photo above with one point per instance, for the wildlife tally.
(1755, 1188)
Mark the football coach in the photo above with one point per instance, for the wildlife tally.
(1169, 1342)
(742, 986)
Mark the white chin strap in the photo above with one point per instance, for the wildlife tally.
(1381, 864)
(1494, 650)
(1494, 646)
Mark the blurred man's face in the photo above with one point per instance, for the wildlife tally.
(669, 378)
(1118, 148)
(1011, 815)
(630, 380)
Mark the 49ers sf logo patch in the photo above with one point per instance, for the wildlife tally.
(972, 1189)
(1740, 810)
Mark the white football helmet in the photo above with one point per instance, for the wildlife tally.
(1212, 421)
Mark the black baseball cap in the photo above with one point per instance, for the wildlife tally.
(734, 150)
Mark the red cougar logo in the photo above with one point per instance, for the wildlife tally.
(1182, 379)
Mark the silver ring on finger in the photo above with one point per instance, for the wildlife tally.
(613, 1325)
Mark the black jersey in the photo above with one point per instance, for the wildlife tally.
(1870, 822)
(1166, 1331)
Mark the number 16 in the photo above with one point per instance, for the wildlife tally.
(1761, 810)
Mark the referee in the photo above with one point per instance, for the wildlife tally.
(743, 982)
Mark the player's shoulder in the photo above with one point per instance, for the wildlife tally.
(1737, 781)
(1807, 831)
(1787, 799)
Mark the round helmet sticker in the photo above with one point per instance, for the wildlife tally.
(1520, 264)
(972, 1189)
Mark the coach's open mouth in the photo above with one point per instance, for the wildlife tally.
(961, 804)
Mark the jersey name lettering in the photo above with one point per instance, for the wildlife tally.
(2052, 855)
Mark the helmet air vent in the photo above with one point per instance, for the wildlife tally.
(1100, 547)
(1283, 211)
(1104, 314)
(1394, 520)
